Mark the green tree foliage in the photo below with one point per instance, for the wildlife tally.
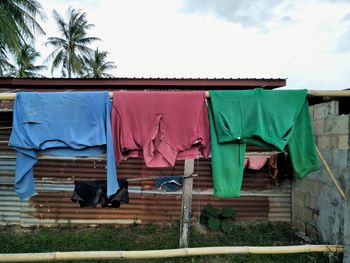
(71, 49)
(5, 65)
(97, 67)
(25, 63)
(18, 22)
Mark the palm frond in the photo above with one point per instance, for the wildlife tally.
(58, 60)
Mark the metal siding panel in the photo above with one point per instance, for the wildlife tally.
(54, 184)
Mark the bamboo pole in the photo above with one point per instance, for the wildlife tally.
(318, 93)
(329, 93)
(331, 174)
(9, 96)
(166, 253)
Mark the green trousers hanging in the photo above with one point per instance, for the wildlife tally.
(268, 118)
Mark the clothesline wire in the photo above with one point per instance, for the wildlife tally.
(9, 96)
(316, 93)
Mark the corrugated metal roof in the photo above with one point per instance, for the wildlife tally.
(204, 83)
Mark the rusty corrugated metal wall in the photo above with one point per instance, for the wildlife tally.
(260, 199)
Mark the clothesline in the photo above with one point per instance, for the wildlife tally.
(103, 157)
(9, 96)
(300, 144)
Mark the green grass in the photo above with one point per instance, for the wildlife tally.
(150, 237)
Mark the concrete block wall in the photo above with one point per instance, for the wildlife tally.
(317, 207)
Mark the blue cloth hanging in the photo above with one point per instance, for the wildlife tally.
(169, 183)
(61, 124)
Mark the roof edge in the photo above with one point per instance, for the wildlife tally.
(215, 82)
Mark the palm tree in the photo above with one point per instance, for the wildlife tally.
(71, 49)
(18, 22)
(24, 63)
(96, 66)
(5, 65)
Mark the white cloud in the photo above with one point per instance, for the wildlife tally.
(298, 40)
(247, 13)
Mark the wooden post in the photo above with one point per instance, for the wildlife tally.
(186, 204)
(347, 226)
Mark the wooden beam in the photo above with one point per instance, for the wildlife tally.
(186, 204)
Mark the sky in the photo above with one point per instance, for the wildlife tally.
(306, 42)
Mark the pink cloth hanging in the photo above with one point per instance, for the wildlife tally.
(255, 162)
(161, 126)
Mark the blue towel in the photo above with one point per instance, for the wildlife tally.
(62, 124)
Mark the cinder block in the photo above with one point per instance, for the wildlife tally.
(310, 215)
(343, 142)
(318, 127)
(326, 109)
(340, 158)
(311, 202)
(311, 231)
(296, 188)
(315, 176)
(344, 179)
(317, 188)
(298, 196)
(306, 185)
(327, 142)
(311, 110)
(296, 209)
(328, 124)
(298, 224)
(336, 124)
(326, 177)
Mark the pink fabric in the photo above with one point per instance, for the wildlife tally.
(255, 162)
(161, 126)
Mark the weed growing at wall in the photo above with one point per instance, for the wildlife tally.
(218, 219)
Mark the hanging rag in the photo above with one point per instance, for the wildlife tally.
(273, 168)
(255, 162)
(280, 167)
(60, 124)
(161, 127)
(92, 193)
(268, 118)
(169, 183)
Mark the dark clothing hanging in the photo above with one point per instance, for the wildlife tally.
(91, 193)
(169, 183)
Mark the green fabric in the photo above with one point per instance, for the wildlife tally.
(269, 118)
